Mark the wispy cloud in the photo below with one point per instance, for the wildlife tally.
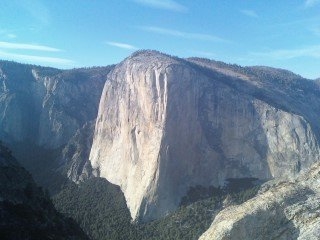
(301, 22)
(5, 53)
(315, 30)
(37, 10)
(36, 59)
(309, 51)
(4, 33)
(122, 45)
(25, 46)
(249, 13)
(163, 4)
(311, 3)
(181, 34)
(11, 35)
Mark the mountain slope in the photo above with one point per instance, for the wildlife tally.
(165, 124)
(43, 108)
(47, 105)
(26, 211)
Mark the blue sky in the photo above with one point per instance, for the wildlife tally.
(78, 33)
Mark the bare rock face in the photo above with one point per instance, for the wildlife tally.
(52, 110)
(284, 210)
(165, 124)
(76, 154)
(44, 105)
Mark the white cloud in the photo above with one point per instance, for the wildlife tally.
(309, 51)
(163, 4)
(311, 3)
(176, 33)
(122, 45)
(35, 59)
(249, 13)
(11, 35)
(25, 46)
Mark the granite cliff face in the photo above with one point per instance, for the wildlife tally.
(165, 124)
(50, 110)
(283, 210)
(44, 105)
(76, 154)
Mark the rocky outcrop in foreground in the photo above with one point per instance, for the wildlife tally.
(283, 210)
(165, 124)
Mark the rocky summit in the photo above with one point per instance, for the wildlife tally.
(165, 124)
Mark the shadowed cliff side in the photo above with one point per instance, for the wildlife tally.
(26, 212)
(41, 112)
